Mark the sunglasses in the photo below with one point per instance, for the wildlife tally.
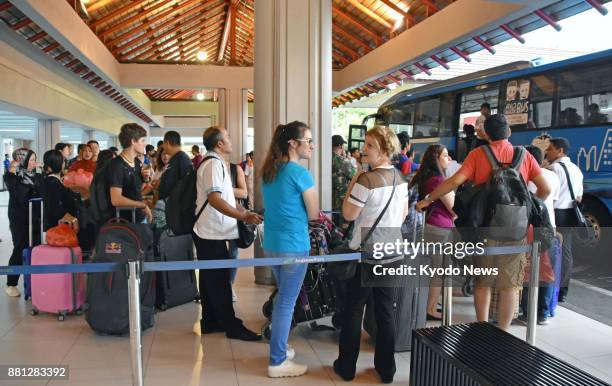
(309, 140)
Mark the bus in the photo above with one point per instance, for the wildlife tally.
(570, 98)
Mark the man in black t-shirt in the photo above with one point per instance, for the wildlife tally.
(178, 166)
(125, 175)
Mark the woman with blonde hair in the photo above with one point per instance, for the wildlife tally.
(374, 199)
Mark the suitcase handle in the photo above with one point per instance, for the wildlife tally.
(120, 208)
(31, 201)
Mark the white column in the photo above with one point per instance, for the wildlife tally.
(293, 73)
(233, 115)
(47, 135)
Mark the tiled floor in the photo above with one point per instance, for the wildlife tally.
(174, 355)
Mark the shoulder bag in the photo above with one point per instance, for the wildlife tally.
(344, 270)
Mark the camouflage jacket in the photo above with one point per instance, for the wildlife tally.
(342, 173)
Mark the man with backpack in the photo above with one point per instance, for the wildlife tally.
(505, 214)
(215, 225)
(124, 173)
(178, 166)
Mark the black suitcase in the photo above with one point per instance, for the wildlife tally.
(409, 298)
(175, 287)
(107, 292)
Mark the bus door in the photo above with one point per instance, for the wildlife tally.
(469, 102)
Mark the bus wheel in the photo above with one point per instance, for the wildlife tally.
(597, 215)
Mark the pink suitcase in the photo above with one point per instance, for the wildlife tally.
(58, 293)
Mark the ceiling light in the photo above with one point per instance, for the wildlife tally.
(201, 56)
(398, 23)
(200, 96)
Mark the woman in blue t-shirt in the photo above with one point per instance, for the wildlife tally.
(290, 200)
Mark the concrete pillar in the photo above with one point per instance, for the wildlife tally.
(233, 115)
(88, 135)
(47, 135)
(293, 74)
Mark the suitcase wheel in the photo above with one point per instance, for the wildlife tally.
(34, 311)
(163, 307)
(266, 330)
(78, 312)
(266, 309)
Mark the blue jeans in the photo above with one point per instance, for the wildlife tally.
(233, 252)
(289, 280)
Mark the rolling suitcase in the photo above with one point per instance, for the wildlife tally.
(175, 287)
(409, 301)
(107, 292)
(27, 253)
(58, 293)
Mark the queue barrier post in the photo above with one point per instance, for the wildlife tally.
(447, 295)
(532, 305)
(134, 271)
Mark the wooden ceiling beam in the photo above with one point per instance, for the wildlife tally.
(208, 43)
(373, 15)
(139, 16)
(227, 28)
(169, 12)
(233, 31)
(345, 48)
(98, 4)
(179, 36)
(408, 18)
(189, 53)
(345, 34)
(340, 58)
(179, 20)
(188, 41)
(126, 8)
(184, 40)
(356, 23)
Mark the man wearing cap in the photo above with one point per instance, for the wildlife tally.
(342, 173)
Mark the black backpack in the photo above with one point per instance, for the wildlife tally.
(107, 292)
(508, 202)
(181, 203)
(99, 197)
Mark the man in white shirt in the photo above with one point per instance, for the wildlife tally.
(213, 228)
(565, 218)
(485, 112)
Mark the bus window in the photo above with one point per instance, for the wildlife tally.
(599, 109)
(427, 118)
(402, 115)
(584, 96)
(447, 119)
(399, 128)
(471, 102)
(571, 111)
(541, 94)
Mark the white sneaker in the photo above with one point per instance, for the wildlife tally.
(234, 296)
(290, 352)
(287, 369)
(12, 292)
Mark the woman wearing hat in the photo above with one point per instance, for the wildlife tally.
(23, 183)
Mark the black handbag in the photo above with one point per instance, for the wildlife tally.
(246, 234)
(587, 230)
(345, 270)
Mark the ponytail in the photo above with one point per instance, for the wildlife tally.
(279, 149)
